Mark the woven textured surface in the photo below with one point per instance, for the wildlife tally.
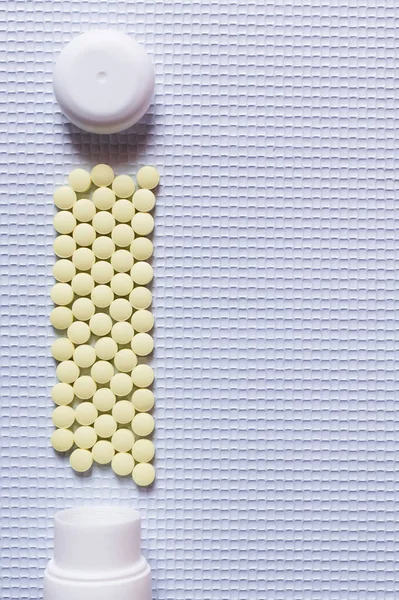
(274, 127)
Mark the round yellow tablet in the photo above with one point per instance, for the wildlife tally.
(123, 412)
(103, 198)
(121, 284)
(84, 356)
(64, 222)
(79, 332)
(104, 399)
(143, 400)
(142, 375)
(64, 246)
(123, 440)
(62, 440)
(84, 387)
(125, 360)
(123, 186)
(62, 294)
(84, 234)
(142, 344)
(122, 261)
(103, 247)
(143, 424)
(61, 317)
(121, 384)
(67, 371)
(140, 297)
(85, 437)
(64, 270)
(106, 348)
(141, 248)
(102, 371)
(122, 235)
(63, 416)
(62, 394)
(142, 223)
(103, 452)
(102, 296)
(64, 197)
(83, 309)
(143, 200)
(83, 259)
(120, 309)
(82, 284)
(105, 426)
(100, 324)
(86, 413)
(123, 211)
(143, 451)
(122, 464)
(103, 222)
(143, 474)
(122, 332)
(142, 273)
(79, 180)
(148, 178)
(81, 460)
(102, 175)
(62, 349)
(102, 272)
(142, 321)
(84, 210)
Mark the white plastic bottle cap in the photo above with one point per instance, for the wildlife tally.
(104, 81)
(97, 556)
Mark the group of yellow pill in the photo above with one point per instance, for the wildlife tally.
(102, 312)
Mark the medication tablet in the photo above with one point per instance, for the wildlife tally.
(120, 309)
(84, 210)
(84, 356)
(122, 284)
(122, 332)
(140, 297)
(106, 348)
(83, 259)
(67, 371)
(123, 211)
(122, 235)
(141, 248)
(103, 452)
(122, 261)
(142, 375)
(148, 178)
(102, 371)
(123, 412)
(122, 464)
(64, 246)
(79, 332)
(142, 344)
(143, 474)
(143, 400)
(102, 296)
(79, 180)
(123, 186)
(84, 234)
(62, 394)
(103, 247)
(64, 270)
(125, 360)
(143, 424)
(103, 198)
(62, 349)
(102, 175)
(64, 222)
(62, 440)
(142, 321)
(62, 294)
(84, 387)
(142, 223)
(143, 451)
(123, 440)
(83, 309)
(142, 273)
(105, 426)
(104, 399)
(81, 460)
(64, 197)
(143, 200)
(100, 324)
(61, 317)
(82, 284)
(63, 416)
(103, 222)
(85, 437)
(102, 272)
(121, 384)
(86, 413)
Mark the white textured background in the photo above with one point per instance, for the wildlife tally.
(275, 127)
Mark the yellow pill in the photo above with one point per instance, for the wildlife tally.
(64, 246)
(142, 344)
(122, 235)
(142, 273)
(122, 332)
(122, 284)
(123, 186)
(120, 309)
(62, 294)
(84, 387)
(143, 424)
(62, 349)
(103, 452)
(140, 297)
(61, 317)
(82, 284)
(125, 360)
(105, 426)
(62, 440)
(122, 261)
(103, 247)
(64, 222)
(84, 356)
(102, 272)
(100, 324)
(141, 248)
(123, 440)
(79, 332)
(122, 464)
(123, 211)
(63, 416)
(81, 460)
(84, 234)
(106, 348)
(79, 180)
(86, 413)
(83, 309)
(83, 259)
(142, 223)
(143, 474)
(121, 384)
(103, 222)
(143, 400)
(123, 412)
(85, 437)
(142, 376)
(62, 394)
(103, 198)
(64, 270)
(143, 451)
(67, 371)
(142, 321)
(102, 296)
(102, 371)
(143, 200)
(84, 210)
(64, 197)
(104, 399)
(102, 175)
(148, 178)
